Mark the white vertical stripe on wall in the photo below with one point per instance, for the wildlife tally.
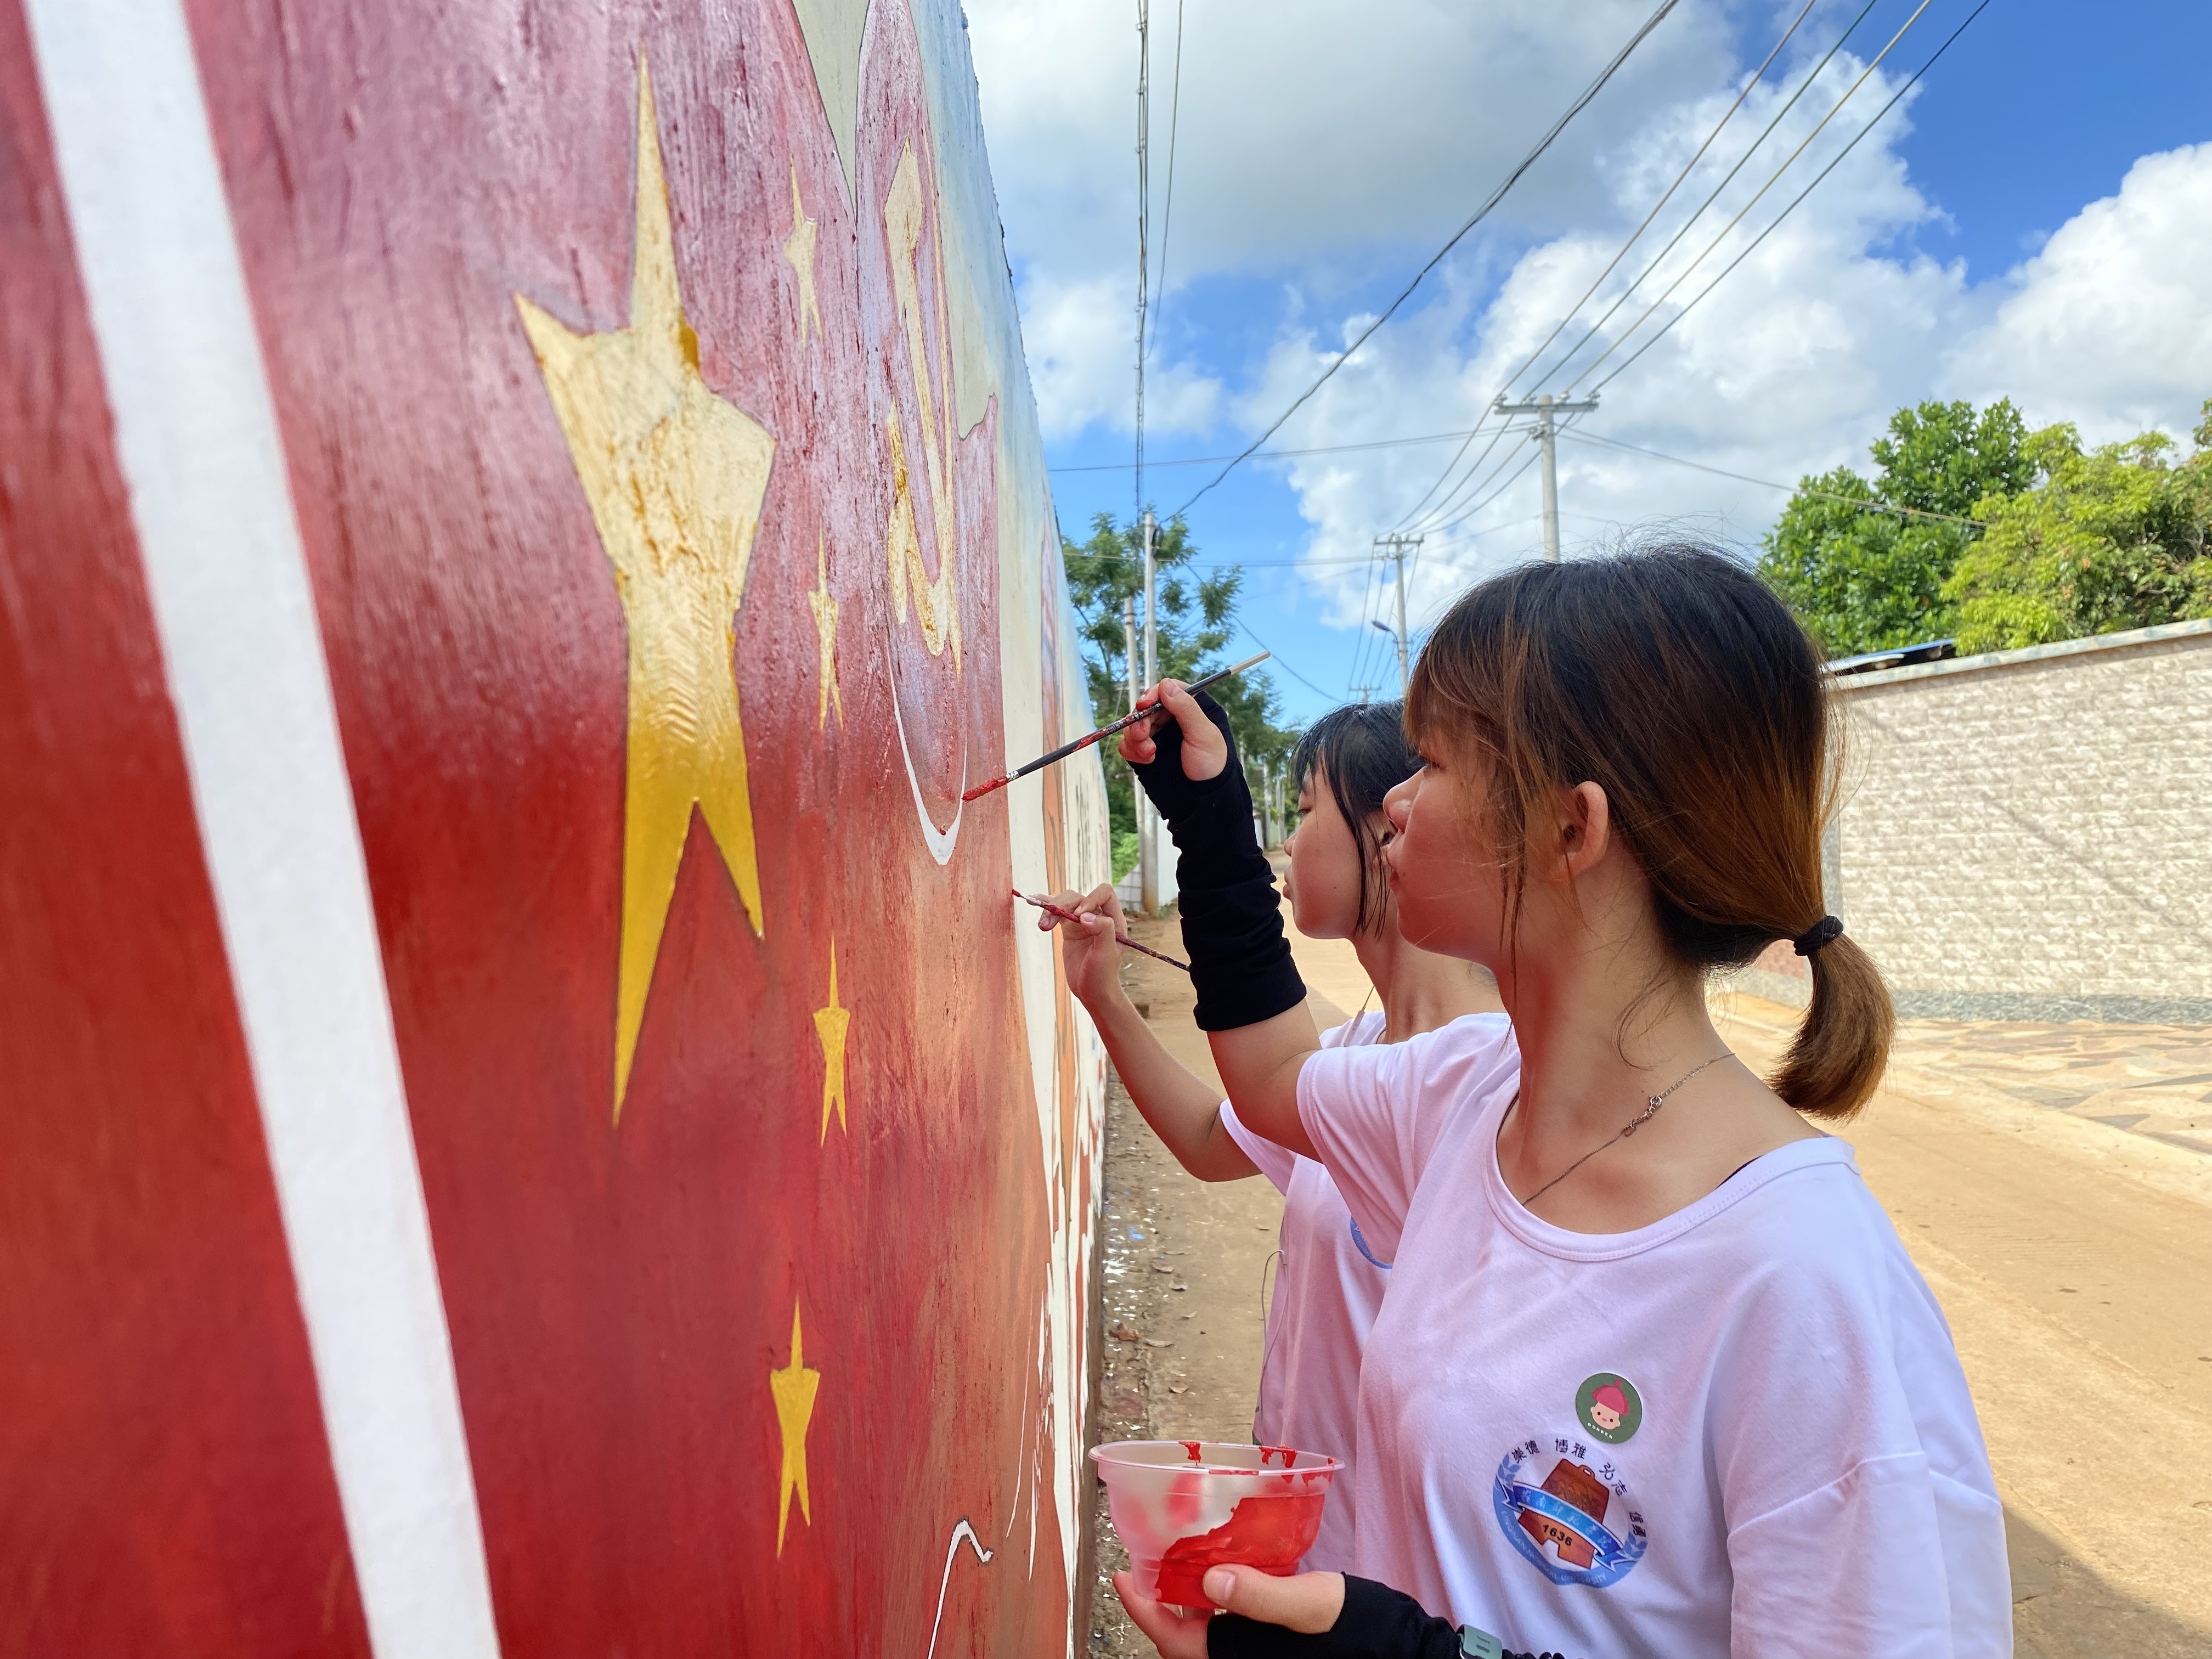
(196, 432)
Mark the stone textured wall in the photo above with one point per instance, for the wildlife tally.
(2028, 835)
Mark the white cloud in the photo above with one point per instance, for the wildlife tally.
(1312, 140)
(1792, 366)
(1306, 128)
(1316, 152)
(2111, 324)
(1081, 340)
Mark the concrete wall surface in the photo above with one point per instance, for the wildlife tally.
(2028, 835)
(532, 1123)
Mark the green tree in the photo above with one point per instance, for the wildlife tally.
(2109, 539)
(1866, 577)
(1195, 621)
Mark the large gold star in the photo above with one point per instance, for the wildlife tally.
(799, 250)
(830, 1025)
(675, 476)
(794, 1387)
(823, 604)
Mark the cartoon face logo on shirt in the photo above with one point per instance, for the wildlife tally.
(1609, 1407)
(1566, 1507)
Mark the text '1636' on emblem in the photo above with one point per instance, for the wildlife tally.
(1567, 1507)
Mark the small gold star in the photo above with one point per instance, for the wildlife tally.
(830, 1024)
(794, 1387)
(799, 250)
(824, 606)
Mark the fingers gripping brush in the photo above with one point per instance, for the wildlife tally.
(1052, 909)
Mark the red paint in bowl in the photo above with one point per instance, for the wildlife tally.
(1182, 1507)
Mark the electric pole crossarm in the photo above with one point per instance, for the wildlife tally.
(1547, 409)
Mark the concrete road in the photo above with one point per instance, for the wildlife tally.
(2073, 1257)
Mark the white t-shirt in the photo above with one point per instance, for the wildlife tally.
(1741, 1429)
(1327, 1291)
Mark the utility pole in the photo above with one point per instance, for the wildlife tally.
(1148, 831)
(1148, 875)
(1364, 693)
(1544, 408)
(1144, 220)
(1129, 647)
(1396, 548)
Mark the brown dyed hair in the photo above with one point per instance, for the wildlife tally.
(1673, 680)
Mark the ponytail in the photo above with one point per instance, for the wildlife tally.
(1677, 682)
(1837, 1057)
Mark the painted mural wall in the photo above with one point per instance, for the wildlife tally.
(530, 1122)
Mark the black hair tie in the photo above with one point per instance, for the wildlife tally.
(1823, 932)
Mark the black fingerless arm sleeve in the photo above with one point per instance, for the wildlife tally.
(1376, 1623)
(1232, 916)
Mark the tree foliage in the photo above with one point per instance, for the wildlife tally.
(1864, 578)
(2109, 539)
(1195, 621)
(2064, 541)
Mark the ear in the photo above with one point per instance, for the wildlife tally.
(1585, 830)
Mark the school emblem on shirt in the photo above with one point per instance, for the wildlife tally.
(1360, 1239)
(1609, 1407)
(1566, 1507)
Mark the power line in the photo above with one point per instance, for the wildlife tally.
(1680, 178)
(1791, 489)
(1273, 454)
(1439, 519)
(1531, 461)
(1507, 385)
(1362, 647)
(1277, 657)
(1481, 214)
(1742, 162)
(1800, 197)
(1459, 488)
(1621, 339)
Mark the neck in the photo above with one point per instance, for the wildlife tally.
(1420, 990)
(1602, 1029)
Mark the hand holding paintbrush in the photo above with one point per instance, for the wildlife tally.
(1107, 911)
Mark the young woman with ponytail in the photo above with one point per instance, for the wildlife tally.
(1331, 1283)
(1655, 1375)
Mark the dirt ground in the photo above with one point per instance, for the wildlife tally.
(2068, 1234)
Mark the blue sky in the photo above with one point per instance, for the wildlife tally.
(1995, 235)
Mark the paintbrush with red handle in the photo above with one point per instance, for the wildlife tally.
(1107, 731)
(1050, 908)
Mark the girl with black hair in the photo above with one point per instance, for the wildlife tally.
(1655, 1378)
(1331, 1281)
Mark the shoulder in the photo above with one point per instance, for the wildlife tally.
(1821, 1286)
(1472, 1055)
(1801, 1222)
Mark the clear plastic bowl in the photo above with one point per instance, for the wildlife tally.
(1182, 1506)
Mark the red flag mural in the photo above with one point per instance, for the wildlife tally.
(663, 461)
(165, 1487)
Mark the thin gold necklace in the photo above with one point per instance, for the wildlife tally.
(1651, 1110)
